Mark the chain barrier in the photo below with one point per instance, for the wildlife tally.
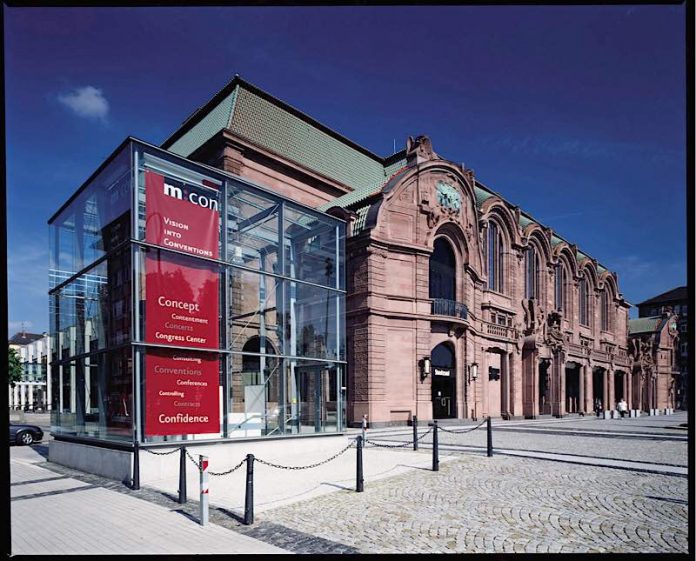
(271, 464)
(161, 453)
(190, 457)
(221, 473)
(409, 443)
(462, 431)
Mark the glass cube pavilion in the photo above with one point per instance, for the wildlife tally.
(215, 310)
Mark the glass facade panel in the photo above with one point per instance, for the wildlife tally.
(253, 311)
(252, 229)
(311, 322)
(95, 222)
(312, 391)
(313, 245)
(244, 339)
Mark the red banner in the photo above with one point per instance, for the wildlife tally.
(181, 393)
(181, 301)
(181, 216)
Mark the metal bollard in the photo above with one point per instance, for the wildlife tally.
(136, 466)
(182, 475)
(249, 498)
(415, 432)
(359, 481)
(436, 452)
(203, 462)
(489, 430)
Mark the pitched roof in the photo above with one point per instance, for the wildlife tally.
(272, 124)
(23, 338)
(644, 325)
(678, 293)
(264, 120)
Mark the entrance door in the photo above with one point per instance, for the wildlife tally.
(443, 382)
(572, 386)
(544, 389)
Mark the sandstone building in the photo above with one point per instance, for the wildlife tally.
(459, 304)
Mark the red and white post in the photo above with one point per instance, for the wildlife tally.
(204, 490)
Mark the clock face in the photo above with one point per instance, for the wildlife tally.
(448, 196)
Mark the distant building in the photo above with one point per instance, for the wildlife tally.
(31, 392)
(677, 302)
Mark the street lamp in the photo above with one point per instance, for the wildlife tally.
(473, 375)
(425, 367)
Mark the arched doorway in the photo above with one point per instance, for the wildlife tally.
(443, 271)
(573, 399)
(444, 382)
(544, 387)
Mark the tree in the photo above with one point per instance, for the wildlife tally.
(15, 368)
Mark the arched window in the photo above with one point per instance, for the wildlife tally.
(495, 258)
(582, 301)
(443, 271)
(561, 281)
(532, 273)
(442, 356)
(604, 310)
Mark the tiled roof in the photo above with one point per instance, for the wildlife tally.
(217, 119)
(678, 293)
(274, 125)
(24, 338)
(644, 325)
(359, 224)
(356, 196)
(525, 221)
(276, 129)
(481, 195)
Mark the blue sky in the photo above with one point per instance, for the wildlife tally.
(574, 113)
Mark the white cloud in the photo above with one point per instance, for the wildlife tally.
(87, 102)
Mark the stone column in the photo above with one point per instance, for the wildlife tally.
(611, 385)
(562, 386)
(483, 384)
(629, 389)
(505, 383)
(605, 390)
(511, 383)
(581, 389)
(22, 395)
(587, 397)
(517, 383)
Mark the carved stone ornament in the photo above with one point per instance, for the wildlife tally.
(554, 336)
(420, 148)
(533, 316)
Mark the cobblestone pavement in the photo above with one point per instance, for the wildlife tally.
(504, 505)
(477, 504)
(636, 439)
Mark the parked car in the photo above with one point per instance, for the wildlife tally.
(25, 434)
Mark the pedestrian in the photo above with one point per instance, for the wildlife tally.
(598, 407)
(622, 407)
(364, 427)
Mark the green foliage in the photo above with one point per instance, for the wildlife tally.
(15, 368)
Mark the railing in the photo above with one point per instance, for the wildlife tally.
(497, 330)
(444, 307)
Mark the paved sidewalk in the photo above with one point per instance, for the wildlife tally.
(501, 504)
(55, 514)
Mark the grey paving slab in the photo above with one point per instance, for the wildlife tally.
(99, 521)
